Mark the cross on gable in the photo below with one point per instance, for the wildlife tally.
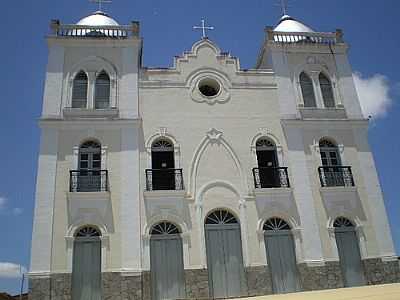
(100, 2)
(203, 28)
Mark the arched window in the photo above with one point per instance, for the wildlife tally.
(268, 173)
(86, 264)
(102, 91)
(163, 165)
(349, 252)
(281, 254)
(79, 91)
(89, 176)
(329, 151)
(224, 255)
(166, 262)
(326, 90)
(164, 228)
(276, 224)
(307, 90)
(221, 217)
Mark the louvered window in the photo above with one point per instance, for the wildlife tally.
(102, 91)
(307, 90)
(326, 90)
(79, 90)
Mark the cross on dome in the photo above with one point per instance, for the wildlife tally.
(204, 28)
(283, 4)
(100, 2)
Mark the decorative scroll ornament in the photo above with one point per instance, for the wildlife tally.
(214, 135)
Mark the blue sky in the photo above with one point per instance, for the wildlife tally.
(370, 27)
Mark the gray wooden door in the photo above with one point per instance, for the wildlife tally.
(349, 255)
(166, 267)
(225, 261)
(282, 261)
(86, 269)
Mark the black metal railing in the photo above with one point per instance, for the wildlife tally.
(88, 181)
(335, 176)
(164, 179)
(271, 177)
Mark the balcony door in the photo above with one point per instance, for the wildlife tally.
(163, 165)
(226, 273)
(349, 252)
(166, 262)
(89, 177)
(267, 163)
(331, 164)
(281, 255)
(86, 265)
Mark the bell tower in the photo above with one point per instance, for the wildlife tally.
(89, 156)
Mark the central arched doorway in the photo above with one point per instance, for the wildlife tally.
(226, 272)
(281, 255)
(166, 262)
(86, 264)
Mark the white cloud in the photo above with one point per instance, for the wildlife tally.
(11, 270)
(374, 94)
(17, 211)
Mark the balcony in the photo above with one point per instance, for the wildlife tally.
(271, 177)
(331, 176)
(164, 179)
(88, 181)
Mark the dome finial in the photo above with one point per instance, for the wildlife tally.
(100, 2)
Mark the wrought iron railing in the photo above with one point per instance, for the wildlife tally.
(164, 179)
(335, 176)
(88, 181)
(84, 31)
(271, 177)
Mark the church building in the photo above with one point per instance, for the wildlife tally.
(203, 180)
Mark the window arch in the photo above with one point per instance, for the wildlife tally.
(326, 90)
(221, 216)
(164, 228)
(102, 91)
(163, 165)
(88, 231)
(80, 90)
(329, 151)
(342, 222)
(307, 90)
(274, 224)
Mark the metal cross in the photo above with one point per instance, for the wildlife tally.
(100, 2)
(284, 5)
(204, 28)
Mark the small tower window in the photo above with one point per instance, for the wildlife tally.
(329, 153)
(102, 91)
(79, 90)
(326, 90)
(307, 90)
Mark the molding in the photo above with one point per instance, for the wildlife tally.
(272, 191)
(59, 123)
(89, 113)
(162, 194)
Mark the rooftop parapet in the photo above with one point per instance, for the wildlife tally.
(95, 31)
(325, 38)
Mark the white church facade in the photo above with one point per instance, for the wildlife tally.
(203, 180)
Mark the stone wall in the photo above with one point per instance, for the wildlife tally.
(117, 286)
(196, 282)
(328, 276)
(259, 281)
(381, 272)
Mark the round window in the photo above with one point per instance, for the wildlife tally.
(209, 87)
